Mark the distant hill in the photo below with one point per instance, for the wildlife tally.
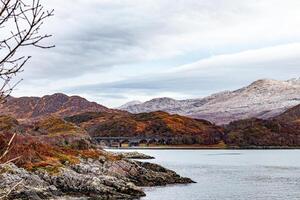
(183, 130)
(292, 115)
(261, 99)
(282, 130)
(60, 105)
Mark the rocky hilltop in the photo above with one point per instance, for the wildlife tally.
(60, 105)
(262, 99)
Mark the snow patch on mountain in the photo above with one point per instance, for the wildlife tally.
(131, 103)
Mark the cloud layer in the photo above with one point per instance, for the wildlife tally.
(115, 51)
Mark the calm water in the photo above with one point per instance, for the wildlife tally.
(230, 174)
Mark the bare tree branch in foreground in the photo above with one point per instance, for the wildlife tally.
(20, 24)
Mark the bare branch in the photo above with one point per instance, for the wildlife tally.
(8, 147)
(11, 190)
(20, 25)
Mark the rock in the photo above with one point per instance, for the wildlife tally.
(139, 173)
(90, 179)
(18, 183)
(143, 174)
(134, 155)
(100, 187)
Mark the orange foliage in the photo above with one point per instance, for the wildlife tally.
(33, 154)
(140, 127)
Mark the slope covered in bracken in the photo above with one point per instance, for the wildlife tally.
(52, 131)
(156, 124)
(280, 131)
(49, 143)
(292, 115)
(31, 153)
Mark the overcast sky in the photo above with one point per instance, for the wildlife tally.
(114, 51)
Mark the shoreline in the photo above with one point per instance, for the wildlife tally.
(109, 176)
(201, 148)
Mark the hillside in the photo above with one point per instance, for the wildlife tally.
(60, 105)
(51, 130)
(282, 130)
(181, 130)
(261, 99)
(292, 115)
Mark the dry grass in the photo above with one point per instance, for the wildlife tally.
(34, 155)
(55, 126)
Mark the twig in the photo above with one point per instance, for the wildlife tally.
(8, 146)
(11, 190)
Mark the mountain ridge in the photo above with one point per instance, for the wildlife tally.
(58, 104)
(64, 122)
(263, 98)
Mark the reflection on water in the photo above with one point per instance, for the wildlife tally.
(230, 174)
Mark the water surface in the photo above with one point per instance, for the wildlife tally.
(229, 174)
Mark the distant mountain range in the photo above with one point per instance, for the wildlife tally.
(262, 99)
(61, 119)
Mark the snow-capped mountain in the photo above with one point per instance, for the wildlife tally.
(131, 103)
(262, 99)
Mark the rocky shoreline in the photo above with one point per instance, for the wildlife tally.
(90, 179)
(134, 155)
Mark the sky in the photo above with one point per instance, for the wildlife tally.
(115, 51)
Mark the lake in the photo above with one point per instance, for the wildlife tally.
(229, 174)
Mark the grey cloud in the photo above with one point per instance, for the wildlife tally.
(196, 82)
(94, 35)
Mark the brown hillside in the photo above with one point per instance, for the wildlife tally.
(262, 133)
(156, 124)
(292, 115)
(60, 105)
(31, 153)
